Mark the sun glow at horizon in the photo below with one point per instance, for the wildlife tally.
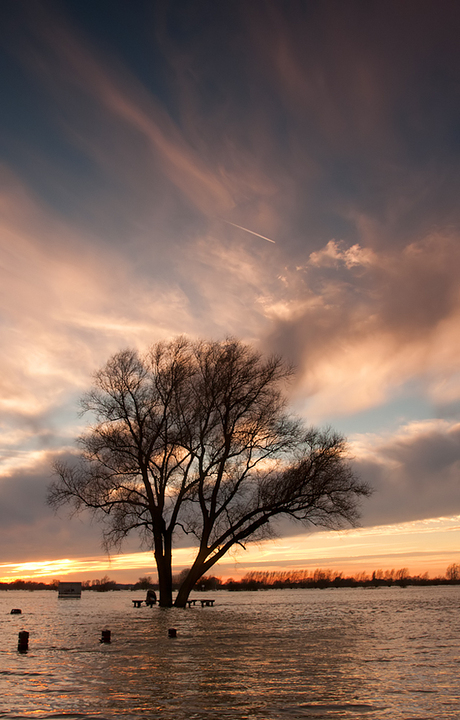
(422, 546)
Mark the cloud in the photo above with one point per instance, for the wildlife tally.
(67, 305)
(29, 530)
(108, 113)
(61, 293)
(359, 323)
(335, 254)
(414, 473)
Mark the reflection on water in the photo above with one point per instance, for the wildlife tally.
(348, 653)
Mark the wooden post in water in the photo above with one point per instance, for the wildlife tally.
(23, 641)
(105, 637)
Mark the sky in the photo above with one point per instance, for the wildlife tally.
(284, 173)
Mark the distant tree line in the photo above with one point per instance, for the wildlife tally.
(320, 578)
(28, 585)
(103, 585)
(265, 580)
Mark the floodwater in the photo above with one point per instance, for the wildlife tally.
(272, 655)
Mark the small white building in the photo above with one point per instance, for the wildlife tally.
(69, 590)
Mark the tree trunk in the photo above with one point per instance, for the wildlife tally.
(196, 571)
(163, 558)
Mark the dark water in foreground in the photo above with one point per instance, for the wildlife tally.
(274, 655)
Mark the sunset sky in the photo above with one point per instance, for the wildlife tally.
(139, 142)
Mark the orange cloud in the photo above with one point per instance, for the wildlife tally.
(360, 323)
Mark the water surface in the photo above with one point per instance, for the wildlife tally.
(271, 655)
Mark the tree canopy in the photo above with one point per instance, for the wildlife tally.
(194, 437)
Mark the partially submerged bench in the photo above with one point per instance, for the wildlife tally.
(150, 600)
(205, 602)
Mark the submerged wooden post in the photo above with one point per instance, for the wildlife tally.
(23, 641)
(105, 637)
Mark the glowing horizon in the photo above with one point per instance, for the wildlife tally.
(421, 546)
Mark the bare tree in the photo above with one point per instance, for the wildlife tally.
(453, 572)
(194, 437)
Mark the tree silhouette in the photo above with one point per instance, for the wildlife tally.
(453, 572)
(194, 438)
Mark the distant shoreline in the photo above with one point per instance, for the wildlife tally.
(266, 580)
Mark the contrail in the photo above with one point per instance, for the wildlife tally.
(249, 231)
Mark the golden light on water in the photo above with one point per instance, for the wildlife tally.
(138, 206)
